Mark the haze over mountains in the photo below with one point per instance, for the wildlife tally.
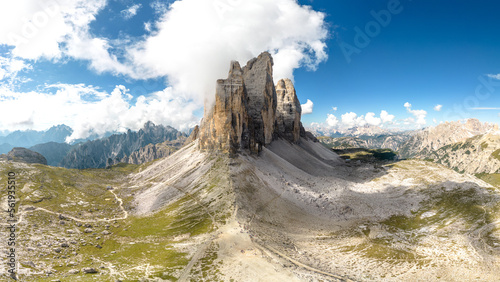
(30, 138)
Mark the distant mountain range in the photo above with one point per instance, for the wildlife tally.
(429, 139)
(117, 147)
(478, 154)
(356, 131)
(149, 143)
(31, 138)
(54, 152)
(392, 142)
(465, 146)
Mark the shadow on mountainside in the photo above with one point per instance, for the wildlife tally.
(319, 210)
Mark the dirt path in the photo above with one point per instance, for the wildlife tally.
(118, 199)
(268, 249)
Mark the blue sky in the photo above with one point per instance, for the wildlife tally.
(111, 65)
(431, 53)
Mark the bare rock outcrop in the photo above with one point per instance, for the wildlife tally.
(225, 126)
(250, 111)
(20, 154)
(262, 102)
(288, 111)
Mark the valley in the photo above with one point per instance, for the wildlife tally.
(250, 195)
(195, 216)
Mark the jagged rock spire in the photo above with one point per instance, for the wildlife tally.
(249, 111)
(288, 111)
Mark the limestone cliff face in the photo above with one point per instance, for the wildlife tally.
(288, 111)
(262, 102)
(249, 111)
(225, 126)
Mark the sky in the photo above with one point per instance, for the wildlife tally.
(101, 66)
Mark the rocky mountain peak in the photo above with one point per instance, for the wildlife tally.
(20, 154)
(250, 111)
(288, 111)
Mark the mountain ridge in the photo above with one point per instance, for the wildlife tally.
(104, 152)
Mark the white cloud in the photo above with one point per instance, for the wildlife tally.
(131, 11)
(9, 68)
(438, 108)
(159, 7)
(41, 28)
(372, 120)
(434, 121)
(386, 117)
(351, 119)
(88, 109)
(494, 76)
(485, 108)
(190, 54)
(331, 120)
(147, 26)
(307, 108)
(334, 109)
(237, 30)
(418, 114)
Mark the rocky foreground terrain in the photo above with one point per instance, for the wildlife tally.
(253, 197)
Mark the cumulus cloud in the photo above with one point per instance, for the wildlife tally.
(438, 108)
(131, 11)
(307, 108)
(351, 119)
(208, 34)
(334, 109)
(418, 114)
(386, 117)
(41, 28)
(372, 120)
(331, 120)
(191, 47)
(88, 110)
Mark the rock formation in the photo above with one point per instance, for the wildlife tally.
(288, 111)
(24, 155)
(225, 126)
(249, 111)
(479, 154)
(54, 152)
(150, 152)
(106, 151)
(262, 102)
(430, 139)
